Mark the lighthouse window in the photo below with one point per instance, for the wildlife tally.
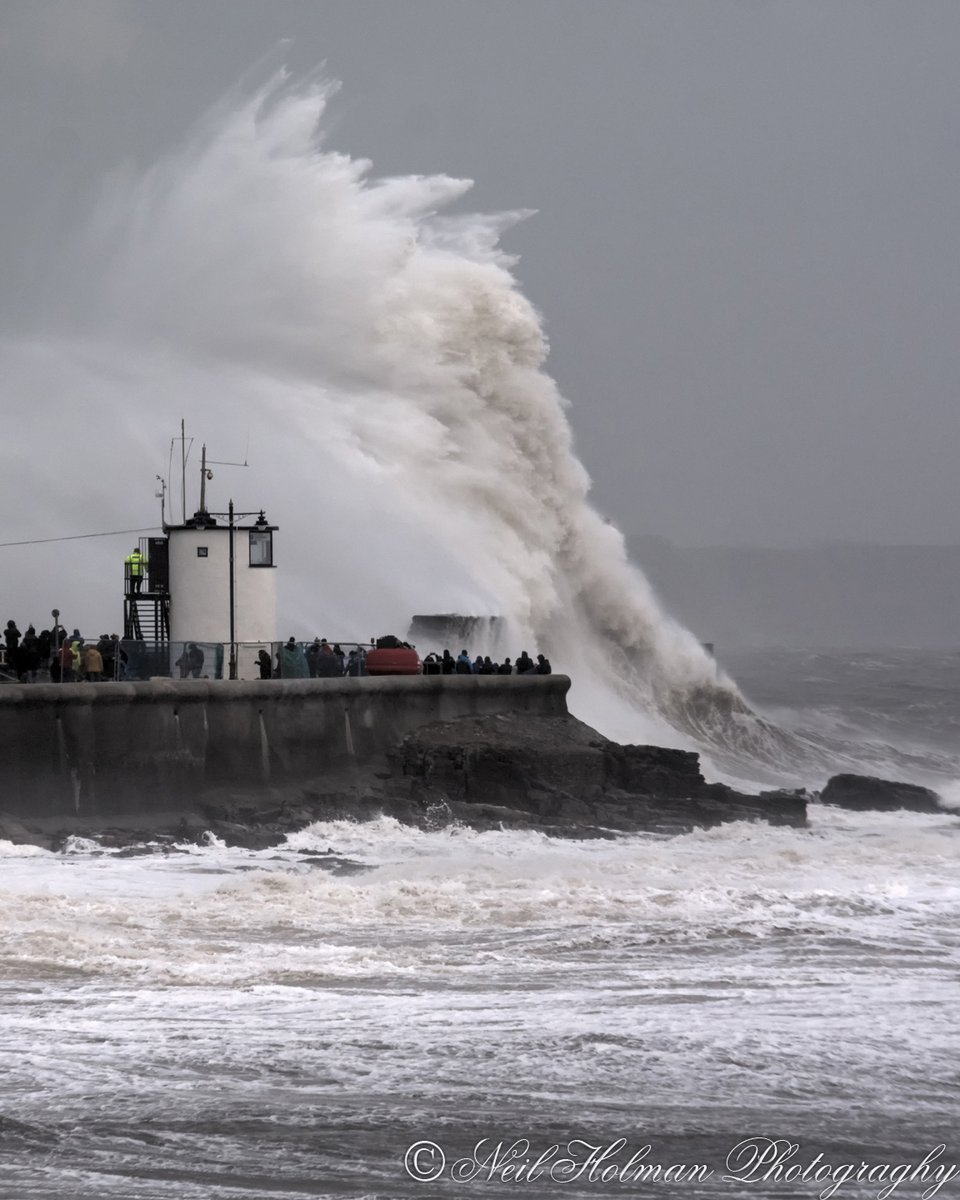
(261, 547)
(201, 552)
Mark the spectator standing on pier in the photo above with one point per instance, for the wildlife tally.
(292, 662)
(120, 658)
(76, 649)
(105, 646)
(329, 665)
(28, 657)
(11, 636)
(190, 661)
(312, 655)
(93, 664)
(66, 661)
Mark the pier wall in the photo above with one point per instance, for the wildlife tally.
(98, 749)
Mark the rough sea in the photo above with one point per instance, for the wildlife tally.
(374, 1011)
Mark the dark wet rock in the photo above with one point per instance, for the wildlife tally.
(557, 774)
(863, 793)
(13, 830)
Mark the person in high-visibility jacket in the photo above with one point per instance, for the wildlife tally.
(134, 563)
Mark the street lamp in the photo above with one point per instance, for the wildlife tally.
(231, 515)
(233, 603)
(55, 613)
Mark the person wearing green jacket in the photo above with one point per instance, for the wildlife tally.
(135, 564)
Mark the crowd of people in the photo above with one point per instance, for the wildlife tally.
(315, 660)
(463, 664)
(61, 657)
(320, 658)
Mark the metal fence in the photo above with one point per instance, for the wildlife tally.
(136, 660)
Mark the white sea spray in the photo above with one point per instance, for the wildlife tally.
(370, 336)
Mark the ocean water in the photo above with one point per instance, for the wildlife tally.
(373, 1011)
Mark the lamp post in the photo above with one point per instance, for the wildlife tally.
(55, 613)
(231, 514)
(233, 601)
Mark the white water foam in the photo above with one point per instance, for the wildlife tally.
(219, 917)
(201, 1013)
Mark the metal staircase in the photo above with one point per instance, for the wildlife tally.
(146, 599)
(146, 617)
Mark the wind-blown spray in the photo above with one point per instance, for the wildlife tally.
(409, 442)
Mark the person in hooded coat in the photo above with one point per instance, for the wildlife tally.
(28, 657)
(312, 655)
(292, 661)
(329, 665)
(11, 635)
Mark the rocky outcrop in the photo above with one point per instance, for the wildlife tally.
(864, 793)
(558, 774)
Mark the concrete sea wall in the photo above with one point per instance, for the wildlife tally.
(98, 749)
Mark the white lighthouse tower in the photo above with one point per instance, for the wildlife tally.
(211, 582)
(223, 584)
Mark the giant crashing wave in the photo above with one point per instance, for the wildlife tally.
(406, 436)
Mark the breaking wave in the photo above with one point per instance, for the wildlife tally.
(368, 336)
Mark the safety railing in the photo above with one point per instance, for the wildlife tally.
(78, 659)
(73, 658)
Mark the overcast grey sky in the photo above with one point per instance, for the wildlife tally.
(745, 247)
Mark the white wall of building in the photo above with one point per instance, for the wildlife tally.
(200, 589)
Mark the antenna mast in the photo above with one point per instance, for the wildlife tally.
(183, 469)
(204, 476)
